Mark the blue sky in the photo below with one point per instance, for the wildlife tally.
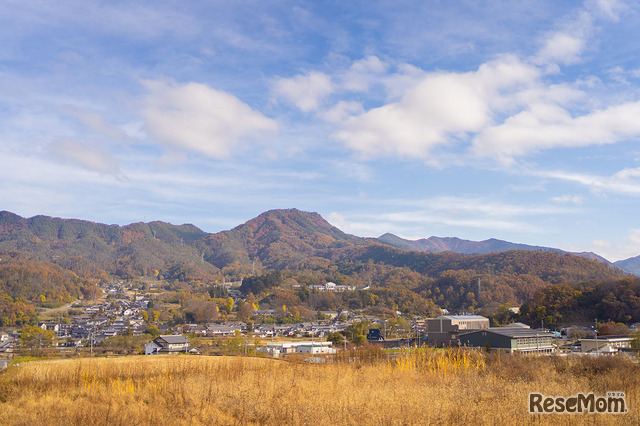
(511, 120)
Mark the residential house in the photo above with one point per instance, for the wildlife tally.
(7, 345)
(223, 329)
(169, 344)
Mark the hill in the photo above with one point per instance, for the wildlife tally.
(91, 249)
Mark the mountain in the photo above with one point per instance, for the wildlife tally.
(457, 245)
(89, 248)
(631, 265)
(299, 246)
(277, 239)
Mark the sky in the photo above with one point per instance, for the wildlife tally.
(511, 120)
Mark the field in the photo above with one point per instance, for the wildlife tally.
(419, 387)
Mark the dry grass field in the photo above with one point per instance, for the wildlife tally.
(421, 387)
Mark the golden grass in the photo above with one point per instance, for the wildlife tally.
(419, 387)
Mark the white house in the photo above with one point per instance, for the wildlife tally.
(169, 344)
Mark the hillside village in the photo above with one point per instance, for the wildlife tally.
(289, 278)
(89, 328)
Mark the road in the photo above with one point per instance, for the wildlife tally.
(54, 311)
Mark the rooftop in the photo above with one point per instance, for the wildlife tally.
(462, 317)
(174, 339)
(513, 332)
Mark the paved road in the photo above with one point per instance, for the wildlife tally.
(57, 310)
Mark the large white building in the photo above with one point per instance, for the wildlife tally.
(276, 349)
(333, 287)
(605, 344)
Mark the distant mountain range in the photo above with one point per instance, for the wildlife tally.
(275, 239)
(457, 245)
(492, 245)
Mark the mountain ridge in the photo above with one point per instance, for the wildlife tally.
(458, 245)
(275, 239)
(631, 265)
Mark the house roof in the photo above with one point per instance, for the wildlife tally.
(173, 339)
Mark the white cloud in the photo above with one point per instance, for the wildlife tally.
(307, 92)
(569, 199)
(608, 8)
(197, 118)
(462, 214)
(363, 73)
(404, 79)
(443, 107)
(98, 124)
(337, 220)
(90, 157)
(477, 206)
(625, 248)
(566, 45)
(454, 219)
(506, 108)
(561, 48)
(342, 111)
(626, 181)
(547, 125)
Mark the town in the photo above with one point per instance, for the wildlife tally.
(125, 321)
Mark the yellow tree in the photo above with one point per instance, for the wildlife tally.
(34, 338)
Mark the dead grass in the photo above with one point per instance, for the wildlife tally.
(419, 387)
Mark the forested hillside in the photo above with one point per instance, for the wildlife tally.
(611, 300)
(93, 249)
(278, 239)
(26, 284)
(289, 249)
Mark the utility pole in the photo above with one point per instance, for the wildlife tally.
(596, 330)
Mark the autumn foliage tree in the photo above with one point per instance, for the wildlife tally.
(35, 339)
(612, 328)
